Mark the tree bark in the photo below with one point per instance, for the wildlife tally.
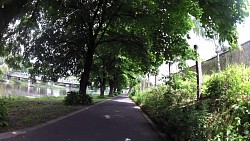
(111, 87)
(102, 91)
(130, 90)
(155, 80)
(169, 69)
(102, 87)
(199, 74)
(218, 61)
(87, 68)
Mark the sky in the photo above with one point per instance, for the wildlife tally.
(207, 48)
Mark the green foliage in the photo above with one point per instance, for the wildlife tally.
(164, 95)
(229, 86)
(226, 104)
(148, 32)
(166, 107)
(185, 123)
(227, 99)
(212, 20)
(228, 82)
(3, 113)
(3, 70)
(135, 89)
(1, 74)
(76, 98)
(231, 124)
(184, 83)
(239, 127)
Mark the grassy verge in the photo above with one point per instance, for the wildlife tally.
(25, 112)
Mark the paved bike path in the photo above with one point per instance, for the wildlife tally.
(118, 119)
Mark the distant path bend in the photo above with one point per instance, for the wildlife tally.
(118, 119)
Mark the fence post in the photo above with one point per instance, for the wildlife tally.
(199, 73)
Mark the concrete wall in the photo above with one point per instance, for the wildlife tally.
(239, 56)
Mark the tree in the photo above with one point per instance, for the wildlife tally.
(102, 62)
(114, 65)
(63, 35)
(221, 17)
(9, 10)
(60, 47)
(219, 45)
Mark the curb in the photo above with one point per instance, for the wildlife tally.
(152, 124)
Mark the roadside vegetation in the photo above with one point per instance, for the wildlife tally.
(111, 42)
(224, 113)
(21, 112)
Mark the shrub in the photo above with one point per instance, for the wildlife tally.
(159, 98)
(239, 127)
(232, 124)
(225, 114)
(135, 90)
(75, 98)
(185, 123)
(228, 87)
(229, 82)
(3, 113)
(184, 84)
(166, 107)
(228, 102)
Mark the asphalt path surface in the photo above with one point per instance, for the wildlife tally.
(118, 119)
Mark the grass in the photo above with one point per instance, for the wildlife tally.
(25, 112)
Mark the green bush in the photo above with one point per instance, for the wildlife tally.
(229, 82)
(233, 124)
(184, 84)
(226, 106)
(239, 127)
(135, 90)
(164, 96)
(75, 98)
(186, 123)
(167, 108)
(3, 113)
(227, 88)
(229, 104)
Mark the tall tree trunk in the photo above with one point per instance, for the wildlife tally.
(111, 87)
(169, 69)
(115, 88)
(87, 68)
(155, 80)
(102, 87)
(218, 61)
(131, 88)
(148, 81)
(102, 81)
(199, 74)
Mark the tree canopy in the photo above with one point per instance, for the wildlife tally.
(63, 36)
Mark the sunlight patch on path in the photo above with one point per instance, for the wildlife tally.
(124, 100)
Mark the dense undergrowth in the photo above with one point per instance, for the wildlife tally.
(225, 110)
